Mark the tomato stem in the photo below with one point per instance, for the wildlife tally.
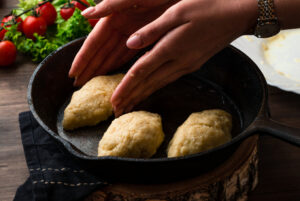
(33, 8)
(82, 3)
(25, 11)
(9, 14)
(14, 17)
(9, 23)
(68, 5)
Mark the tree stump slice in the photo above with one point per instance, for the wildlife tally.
(231, 181)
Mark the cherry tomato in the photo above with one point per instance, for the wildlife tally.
(10, 18)
(93, 22)
(33, 25)
(2, 33)
(66, 12)
(79, 5)
(8, 53)
(48, 12)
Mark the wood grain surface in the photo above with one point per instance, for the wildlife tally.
(279, 167)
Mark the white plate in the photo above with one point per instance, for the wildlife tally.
(278, 57)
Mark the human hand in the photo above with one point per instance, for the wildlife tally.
(105, 48)
(187, 35)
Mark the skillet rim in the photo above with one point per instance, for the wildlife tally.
(263, 110)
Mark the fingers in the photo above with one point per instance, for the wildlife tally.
(142, 91)
(127, 57)
(99, 35)
(147, 64)
(107, 7)
(155, 30)
(143, 79)
(137, 73)
(116, 58)
(96, 62)
(111, 61)
(164, 75)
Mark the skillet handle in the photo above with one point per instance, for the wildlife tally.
(278, 130)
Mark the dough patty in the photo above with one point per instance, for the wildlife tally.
(201, 131)
(135, 135)
(91, 104)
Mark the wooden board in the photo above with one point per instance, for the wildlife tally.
(232, 180)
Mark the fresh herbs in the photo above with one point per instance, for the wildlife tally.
(74, 27)
(37, 49)
(57, 34)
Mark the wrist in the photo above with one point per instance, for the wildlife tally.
(288, 14)
(248, 14)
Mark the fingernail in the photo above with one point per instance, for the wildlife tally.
(134, 42)
(88, 11)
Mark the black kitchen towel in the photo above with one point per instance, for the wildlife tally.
(54, 174)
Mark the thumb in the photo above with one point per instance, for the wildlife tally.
(155, 30)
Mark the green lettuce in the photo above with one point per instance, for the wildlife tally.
(91, 2)
(37, 49)
(75, 27)
(56, 35)
(27, 4)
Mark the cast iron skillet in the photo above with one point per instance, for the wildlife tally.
(229, 80)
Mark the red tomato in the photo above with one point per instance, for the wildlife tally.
(93, 22)
(66, 12)
(33, 25)
(48, 12)
(10, 18)
(2, 33)
(8, 53)
(79, 5)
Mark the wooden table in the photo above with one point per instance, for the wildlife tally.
(279, 168)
